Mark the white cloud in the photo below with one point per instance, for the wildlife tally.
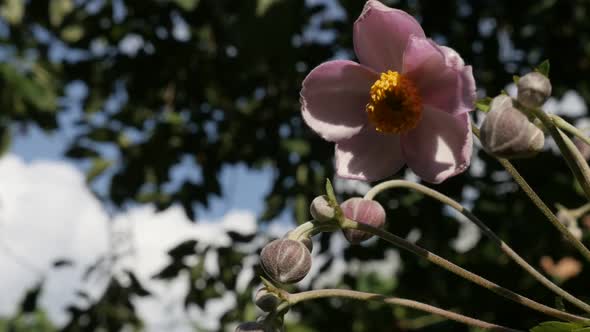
(47, 213)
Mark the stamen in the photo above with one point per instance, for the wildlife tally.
(395, 105)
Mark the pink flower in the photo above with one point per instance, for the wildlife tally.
(407, 102)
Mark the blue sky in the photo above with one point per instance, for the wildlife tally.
(243, 189)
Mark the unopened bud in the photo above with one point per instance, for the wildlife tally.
(307, 242)
(266, 300)
(320, 209)
(363, 211)
(534, 89)
(507, 133)
(286, 261)
(582, 147)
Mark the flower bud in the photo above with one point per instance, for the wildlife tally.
(320, 209)
(582, 147)
(266, 300)
(534, 89)
(307, 242)
(507, 133)
(364, 211)
(286, 261)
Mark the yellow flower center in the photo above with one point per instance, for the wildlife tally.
(394, 105)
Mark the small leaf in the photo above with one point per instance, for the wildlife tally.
(543, 68)
(556, 327)
(29, 303)
(183, 249)
(136, 287)
(98, 167)
(187, 5)
(58, 9)
(72, 33)
(5, 140)
(63, 262)
(483, 104)
(515, 78)
(330, 192)
(299, 146)
(262, 6)
(13, 11)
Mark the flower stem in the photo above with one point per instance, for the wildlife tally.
(346, 223)
(488, 232)
(540, 204)
(569, 128)
(362, 296)
(570, 153)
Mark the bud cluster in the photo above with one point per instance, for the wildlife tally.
(506, 131)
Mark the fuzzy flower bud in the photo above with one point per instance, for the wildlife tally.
(286, 261)
(582, 147)
(364, 211)
(307, 242)
(320, 209)
(533, 89)
(266, 300)
(506, 132)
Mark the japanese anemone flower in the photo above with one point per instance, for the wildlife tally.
(406, 102)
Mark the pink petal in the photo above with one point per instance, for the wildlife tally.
(439, 72)
(334, 97)
(454, 60)
(440, 147)
(369, 156)
(381, 34)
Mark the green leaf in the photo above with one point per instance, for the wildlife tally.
(330, 192)
(98, 167)
(483, 104)
(301, 208)
(72, 33)
(262, 6)
(13, 11)
(515, 78)
(299, 146)
(556, 327)
(5, 140)
(543, 68)
(187, 5)
(58, 9)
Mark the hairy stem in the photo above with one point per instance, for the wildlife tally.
(540, 204)
(488, 232)
(346, 223)
(580, 170)
(569, 128)
(362, 296)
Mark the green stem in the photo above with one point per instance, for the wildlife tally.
(362, 296)
(568, 150)
(346, 223)
(579, 212)
(569, 128)
(488, 232)
(311, 228)
(540, 204)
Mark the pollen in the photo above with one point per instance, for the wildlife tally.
(395, 105)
